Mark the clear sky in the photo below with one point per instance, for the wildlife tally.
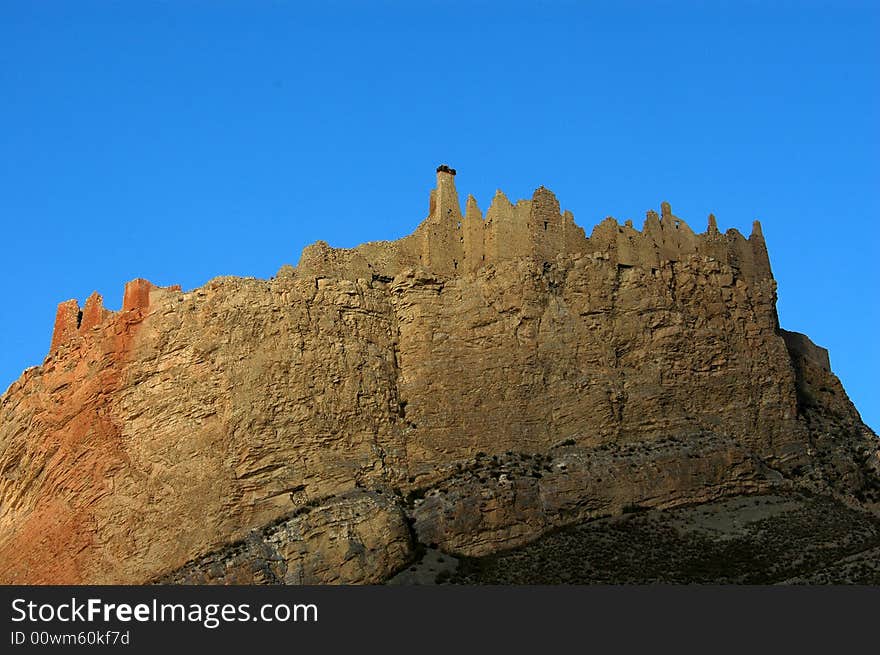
(183, 140)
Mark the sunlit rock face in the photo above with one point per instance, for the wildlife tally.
(472, 385)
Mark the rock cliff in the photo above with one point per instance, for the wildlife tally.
(471, 386)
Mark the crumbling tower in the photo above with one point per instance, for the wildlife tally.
(545, 228)
(443, 240)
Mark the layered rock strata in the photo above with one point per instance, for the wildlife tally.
(317, 426)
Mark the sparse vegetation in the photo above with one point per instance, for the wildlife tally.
(801, 540)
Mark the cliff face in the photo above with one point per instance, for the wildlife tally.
(471, 385)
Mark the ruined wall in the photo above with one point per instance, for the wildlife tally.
(843, 450)
(155, 436)
(441, 234)
(449, 244)
(67, 321)
(71, 322)
(802, 347)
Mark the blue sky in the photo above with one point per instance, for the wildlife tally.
(179, 141)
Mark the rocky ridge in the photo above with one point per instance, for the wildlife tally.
(471, 386)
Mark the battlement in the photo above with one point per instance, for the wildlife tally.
(72, 322)
(449, 244)
(801, 346)
(137, 295)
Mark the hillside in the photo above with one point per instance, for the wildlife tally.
(473, 386)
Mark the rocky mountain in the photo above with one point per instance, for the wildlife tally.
(471, 387)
